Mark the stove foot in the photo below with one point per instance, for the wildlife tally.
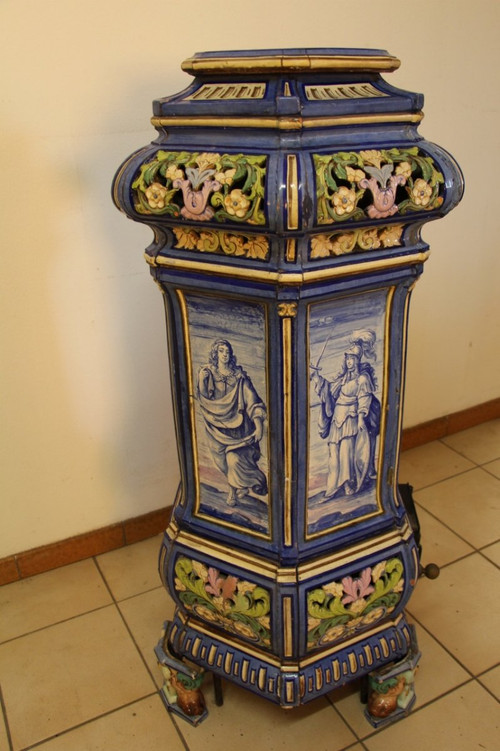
(391, 689)
(181, 691)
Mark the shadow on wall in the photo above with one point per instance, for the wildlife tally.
(87, 421)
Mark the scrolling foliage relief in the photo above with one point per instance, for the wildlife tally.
(375, 184)
(202, 186)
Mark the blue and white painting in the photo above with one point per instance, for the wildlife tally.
(228, 362)
(346, 350)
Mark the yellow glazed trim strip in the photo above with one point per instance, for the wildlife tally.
(285, 123)
(287, 410)
(303, 572)
(284, 63)
(291, 278)
(287, 626)
(292, 193)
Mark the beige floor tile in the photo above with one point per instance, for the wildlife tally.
(69, 673)
(493, 467)
(54, 596)
(145, 615)
(466, 719)
(439, 544)
(469, 504)
(481, 444)
(132, 569)
(438, 673)
(491, 680)
(462, 610)
(492, 552)
(143, 725)
(246, 722)
(430, 463)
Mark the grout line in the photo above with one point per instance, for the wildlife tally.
(337, 711)
(57, 623)
(117, 606)
(483, 554)
(179, 733)
(354, 745)
(444, 479)
(87, 722)
(463, 455)
(450, 529)
(492, 474)
(486, 688)
(6, 721)
(138, 594)
(443, 646)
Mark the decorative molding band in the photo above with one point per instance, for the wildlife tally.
(48, 557)
(286, 278)
(358, 240)
(225, 64)
(222, 243)
(286, 123)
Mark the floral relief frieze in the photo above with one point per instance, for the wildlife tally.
(201, 187)
(375, 184)
(358, 240)
(238, 606)
(222, 243)
(339, 609)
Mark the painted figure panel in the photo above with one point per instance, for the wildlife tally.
(229, 385)
(346, 349)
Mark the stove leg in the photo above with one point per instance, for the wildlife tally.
(363, 690)
(391, 689)
(181, 691)
(219, 698)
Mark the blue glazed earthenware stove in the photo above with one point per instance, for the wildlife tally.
(286, 191)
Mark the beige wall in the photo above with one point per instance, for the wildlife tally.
(86, 418)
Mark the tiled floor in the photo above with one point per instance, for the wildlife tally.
(77, 670)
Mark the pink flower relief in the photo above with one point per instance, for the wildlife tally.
(220, 586)
(355, 589)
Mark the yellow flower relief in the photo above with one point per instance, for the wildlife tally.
(236, 203)
(344, 201)
(155, 195)
(225, 178)
(372, 156)
(404, 169)
(354, 175)
(207, 159)
(421, 192)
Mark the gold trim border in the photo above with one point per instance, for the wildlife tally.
(378, 489)
(293, 575)
(181, 296)
(286, 123)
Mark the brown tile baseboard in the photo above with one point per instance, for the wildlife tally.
(99, 541)
(83, 546)
(443, 426)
